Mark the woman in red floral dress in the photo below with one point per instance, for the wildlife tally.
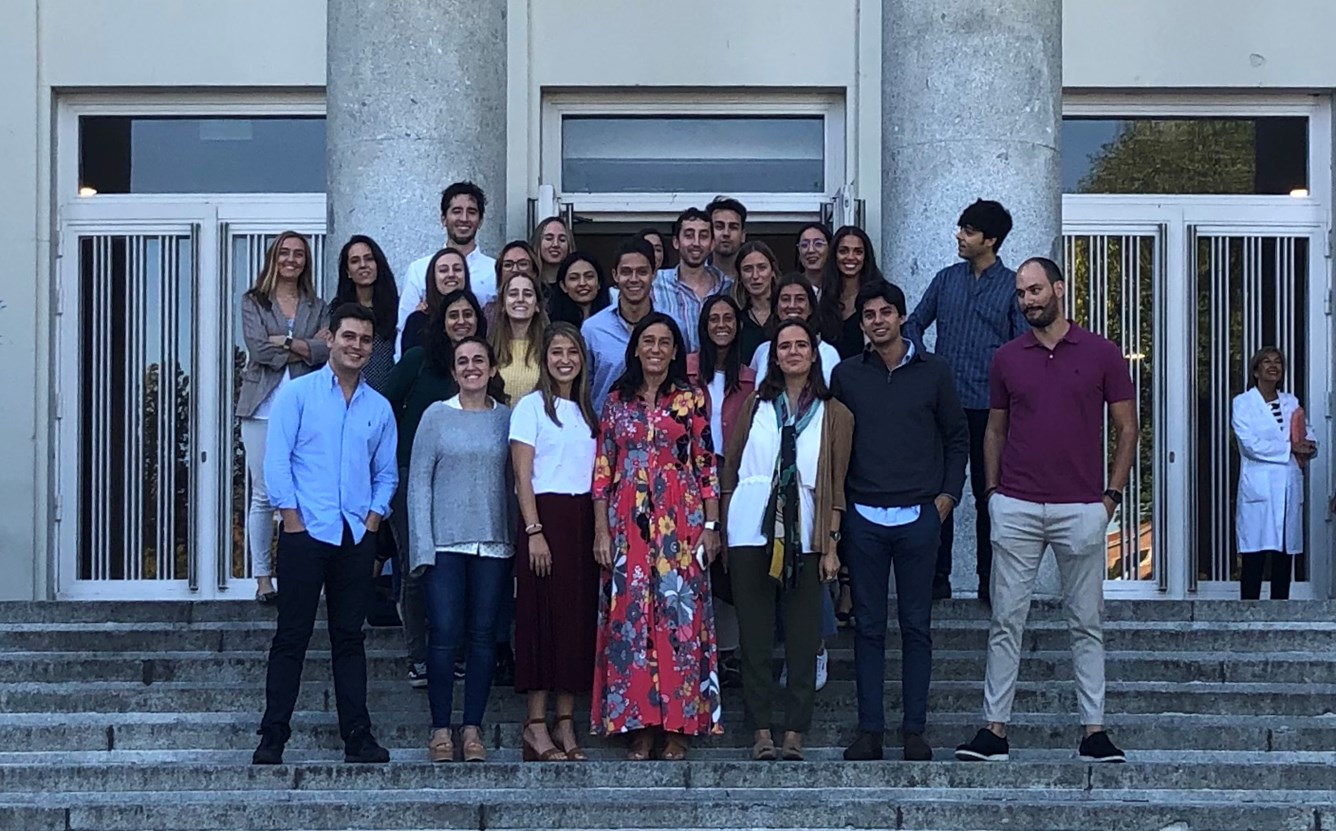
(656, 512)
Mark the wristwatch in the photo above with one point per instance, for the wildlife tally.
(287, 342)
(1116, 497)
(836, 536)
(712, 525)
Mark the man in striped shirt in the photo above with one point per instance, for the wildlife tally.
(974, 306)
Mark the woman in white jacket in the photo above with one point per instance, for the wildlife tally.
(1274, 445)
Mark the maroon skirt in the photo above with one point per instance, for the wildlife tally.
(556, 616)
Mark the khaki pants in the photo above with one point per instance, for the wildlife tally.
(1021, 532)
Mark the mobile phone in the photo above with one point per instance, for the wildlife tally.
(700, 554)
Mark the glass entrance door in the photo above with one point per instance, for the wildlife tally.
(1190, 289)
(149, 472)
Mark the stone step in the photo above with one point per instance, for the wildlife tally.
(836, 700)
(692, 807)
(313, 731)
(1317, 638)
(242, 667)
(176, 772)
(244, 609)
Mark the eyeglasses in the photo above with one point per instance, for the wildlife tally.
(811, 244)
(515, 265)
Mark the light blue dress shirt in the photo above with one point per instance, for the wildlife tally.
(333, 461)
(606, 334)
(675, 299)
(892, 517)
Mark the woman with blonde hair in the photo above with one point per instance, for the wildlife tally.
(284, 326)
(553, 443)
(517, 336)
(553, 242)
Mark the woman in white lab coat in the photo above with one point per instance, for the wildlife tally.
(1274, 446)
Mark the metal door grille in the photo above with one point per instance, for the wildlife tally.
(1250, 292)
(243, 257)
(137, 361)
(1115, 289)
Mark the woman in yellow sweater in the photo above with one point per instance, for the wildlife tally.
(517, 337)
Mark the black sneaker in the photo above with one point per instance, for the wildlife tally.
(362, 748)
(866, 748)
(417, 675)
(941, 587)
(1098, 747)
(270, 751)
(986, 747)
(917, 748)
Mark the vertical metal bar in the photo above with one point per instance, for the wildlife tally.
(1159, 405)
(167, 410)
(96, 369)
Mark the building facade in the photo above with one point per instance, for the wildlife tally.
(152, 149)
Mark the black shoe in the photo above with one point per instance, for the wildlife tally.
(504, 675)
(362, 748)
(941, 587)
(866, 748)
(917, 748)
(984, 596)
(986, 747)
(270, 751)
(1098, 747)
(730, 671)
(417, 675)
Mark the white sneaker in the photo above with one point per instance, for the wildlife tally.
(822, 668)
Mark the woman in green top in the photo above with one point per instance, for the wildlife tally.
(421, 378)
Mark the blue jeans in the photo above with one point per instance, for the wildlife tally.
(870, 550)
(464, 593)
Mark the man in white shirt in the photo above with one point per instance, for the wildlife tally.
(463, 206)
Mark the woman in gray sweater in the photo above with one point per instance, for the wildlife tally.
(461, 520)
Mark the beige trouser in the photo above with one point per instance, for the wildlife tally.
(1021, 532)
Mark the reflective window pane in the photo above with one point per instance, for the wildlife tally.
(683, 154)
(1185, 155)
(131, 154)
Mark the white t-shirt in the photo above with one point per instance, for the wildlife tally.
(563, 458)
(756, 470)
(829, 357)
(717, 393)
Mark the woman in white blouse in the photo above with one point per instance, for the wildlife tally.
(1275, 445)
(553, 445)
(783, 491)
(795, 298)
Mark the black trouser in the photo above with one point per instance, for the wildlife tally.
(344, 573)
(983, 529)
(1250, 582)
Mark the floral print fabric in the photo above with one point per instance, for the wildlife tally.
(656, 664)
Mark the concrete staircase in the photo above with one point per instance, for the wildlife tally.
(142, 716)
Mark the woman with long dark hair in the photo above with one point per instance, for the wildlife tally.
(553, 242)
(284, 326)
(461, 519)
(365, 278)
(758, 269)
(851, 265)
(553, 443)
(447, 271)
(581, 289)
(421, 378)
(783, 492)
(794, 297)
(655, 238)
(656, 532)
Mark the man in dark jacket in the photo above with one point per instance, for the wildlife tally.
(906, 473)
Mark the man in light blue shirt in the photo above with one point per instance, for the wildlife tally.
(607, 332)
(680, 292)
(330, 469)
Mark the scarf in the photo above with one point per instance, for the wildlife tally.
(784, 535)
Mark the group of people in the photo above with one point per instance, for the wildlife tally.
(622, 465)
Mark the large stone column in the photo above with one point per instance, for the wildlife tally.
(971, 108)
(416, 100)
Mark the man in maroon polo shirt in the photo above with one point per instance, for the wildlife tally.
(1044, 462)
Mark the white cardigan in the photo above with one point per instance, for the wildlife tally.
(756, 471)
(1269, 515)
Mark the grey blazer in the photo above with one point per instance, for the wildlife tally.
(265, 362)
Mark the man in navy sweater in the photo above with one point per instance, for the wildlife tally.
(906, 473)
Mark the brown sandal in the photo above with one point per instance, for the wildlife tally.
(642, 744)
(474, 749)
(675, 748)
(793, 748)
(763, 750)
(574, 753)
(441, 748)
(529, 754)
